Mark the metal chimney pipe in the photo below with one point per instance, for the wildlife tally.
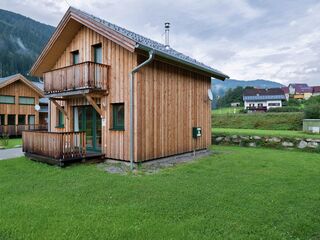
(167, 29)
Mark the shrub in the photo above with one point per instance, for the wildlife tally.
(243, 111)
(4, 140)
(285, 109)
(312, 111)
(313, 100)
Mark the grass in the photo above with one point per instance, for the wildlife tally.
(12, 143)
(267, 121)
(227, 110)
(239, 193)
(263, 133)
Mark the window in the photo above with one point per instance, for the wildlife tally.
(60, 119)
(21, 119)
(2, 116)
(274, 104)
(26, 100)
(31, 119)
(7, 99)
(75, 57)
(11, 119)
(97, 53)
(118, 116)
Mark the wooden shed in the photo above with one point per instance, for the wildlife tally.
(120, 94)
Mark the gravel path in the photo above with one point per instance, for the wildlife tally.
(10, 153)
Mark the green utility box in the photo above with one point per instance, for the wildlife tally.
(196, 132)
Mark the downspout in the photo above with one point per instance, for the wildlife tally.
(132, 74)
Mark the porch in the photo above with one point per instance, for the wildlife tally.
(57, 148)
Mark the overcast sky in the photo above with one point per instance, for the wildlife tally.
(277, 40)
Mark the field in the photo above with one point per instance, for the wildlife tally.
(238, 193)
(267, 121)
(229, 110)
(12, 142)
(263, 133)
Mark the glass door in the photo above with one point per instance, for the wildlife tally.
(87, 119)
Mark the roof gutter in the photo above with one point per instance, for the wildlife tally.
(213, 73)
(132, 74)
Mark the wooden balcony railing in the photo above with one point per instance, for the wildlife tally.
(16, 130)
(86, 75)
(55, 145)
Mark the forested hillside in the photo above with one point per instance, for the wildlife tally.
(21, 41)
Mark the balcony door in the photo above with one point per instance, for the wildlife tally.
(87, 119)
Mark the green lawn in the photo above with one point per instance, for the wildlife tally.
(229, 110)
(267, 121)
(266, 133)
(12, 142)
(238, 193)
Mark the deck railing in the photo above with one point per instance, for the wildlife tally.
(16, 130)
(56, 145)
(86, 75)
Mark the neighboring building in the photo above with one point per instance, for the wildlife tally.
(316, 91)
(300, 91)
(263, 99)
(235, 104)
(18, 98)
(286, 92)
(86, 67)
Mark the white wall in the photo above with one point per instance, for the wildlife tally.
(268, 104)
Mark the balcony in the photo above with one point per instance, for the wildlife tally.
(76, 79)
(57, 148)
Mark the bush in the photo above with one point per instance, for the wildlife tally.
(243, 111)
(285, 109)
(4, 140)
(312, 111)
(313, 101)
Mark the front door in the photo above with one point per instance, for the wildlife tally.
(87, 119)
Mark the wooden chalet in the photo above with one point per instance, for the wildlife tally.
(116, 93)
(18, 98)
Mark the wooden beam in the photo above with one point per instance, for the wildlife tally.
(59, 107)
(94, 104)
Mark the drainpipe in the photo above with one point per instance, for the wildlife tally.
(132, 74)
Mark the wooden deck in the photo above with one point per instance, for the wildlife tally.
(57, 148)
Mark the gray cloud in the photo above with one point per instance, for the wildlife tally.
(247, 39)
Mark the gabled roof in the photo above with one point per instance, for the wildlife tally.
(121, 36)
(285, 89)
(301, 88)
(18, 77)
(316, 89)
(255, 94)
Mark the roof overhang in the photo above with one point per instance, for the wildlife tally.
(19, 77)
(68, 27)
(71, 23)
(211, 72)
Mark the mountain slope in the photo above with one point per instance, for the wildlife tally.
(220, 87)
(21, 41)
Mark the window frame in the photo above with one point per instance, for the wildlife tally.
(15, 118)
(94, 55)
(60, 119)
(22, 115)
(3, 118)
(115, 124)
(14, 99)
(27, 97)
(73, 54)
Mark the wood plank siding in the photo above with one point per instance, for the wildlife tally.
(17, 89)
(169, 101)
(115, 144)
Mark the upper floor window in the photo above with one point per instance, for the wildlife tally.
(26, 100)
(7, 99)
(97, 53)
(75, 57)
